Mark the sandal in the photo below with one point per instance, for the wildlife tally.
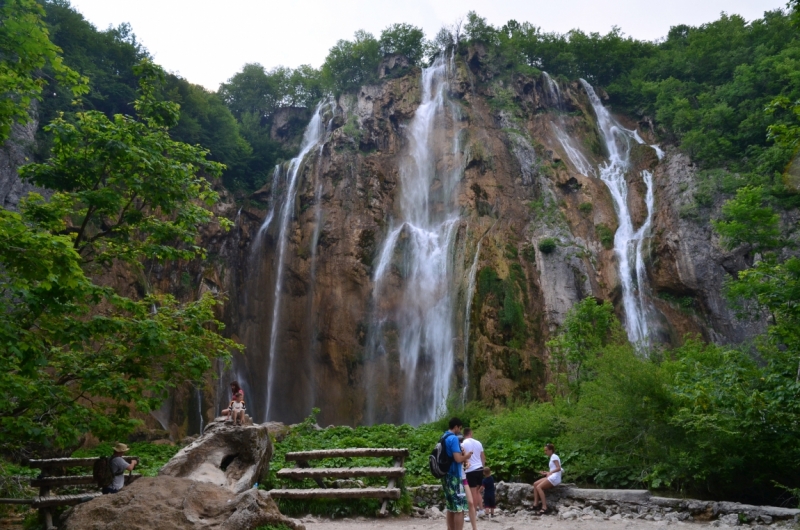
(548, 511)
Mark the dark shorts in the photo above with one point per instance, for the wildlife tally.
(489, 501)
(475, 478)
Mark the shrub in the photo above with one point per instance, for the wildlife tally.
(585, 208)
(605, 235)
(547, 245)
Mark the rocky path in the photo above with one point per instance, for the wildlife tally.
(497, 523)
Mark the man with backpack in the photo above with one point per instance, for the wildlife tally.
(110, 472)
(455, 497)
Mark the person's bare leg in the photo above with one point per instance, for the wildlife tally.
(476, 496)
(536, 501)
(458, 521)
(473, 513)
(544, 485)
(450, 520)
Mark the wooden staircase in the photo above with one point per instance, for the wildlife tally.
(302, 470)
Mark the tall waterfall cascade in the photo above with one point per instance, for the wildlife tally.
(421, 328)
(629, 242)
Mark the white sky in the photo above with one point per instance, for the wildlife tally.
(207, 41)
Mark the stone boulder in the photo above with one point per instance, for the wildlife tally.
(170, 503)
(232, 457)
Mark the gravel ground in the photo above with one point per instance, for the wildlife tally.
(497, 523)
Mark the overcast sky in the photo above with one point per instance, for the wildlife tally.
(207, 41)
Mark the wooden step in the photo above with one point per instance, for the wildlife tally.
(63, 500)
(342, 493)
(341, 472)
(49, 463)
(74, 480)
(345, 453)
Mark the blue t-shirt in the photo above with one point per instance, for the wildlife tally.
(488, 485)
(451, 445)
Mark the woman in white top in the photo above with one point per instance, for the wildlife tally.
(550, 479)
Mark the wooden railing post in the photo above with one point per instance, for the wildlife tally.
(398, 462)
(45, 513)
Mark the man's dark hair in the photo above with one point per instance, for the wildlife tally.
(467, 432)
(455, 422)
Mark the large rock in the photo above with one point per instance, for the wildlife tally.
(225, 455)
(169, 503)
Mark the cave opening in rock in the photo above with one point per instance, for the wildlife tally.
(227, 461)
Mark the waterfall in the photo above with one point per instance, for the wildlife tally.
(473, 273)
(574, 154)
(313, 135)
(200, 408)
(628, 242)
(421, 328)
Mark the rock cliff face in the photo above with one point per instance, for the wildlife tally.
(16, 151)
(521, 184)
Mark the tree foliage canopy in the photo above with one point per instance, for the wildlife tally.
(25, 48)
(78, 356)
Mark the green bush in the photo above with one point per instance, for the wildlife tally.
(585, 208)
(547, 245)
(152, 457)
(605, 235)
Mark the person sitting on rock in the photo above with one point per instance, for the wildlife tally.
(235, 389)
(118, 468)
(551, 479)
(237, 409)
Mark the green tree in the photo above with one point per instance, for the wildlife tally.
(588, 329)
(351, 64)
(205, 120)
(25, 49)
(76, 356)
(403, 39)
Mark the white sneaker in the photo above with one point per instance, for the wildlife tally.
(481, 513)
(466, 518)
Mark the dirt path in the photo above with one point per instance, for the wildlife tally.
(497, 523)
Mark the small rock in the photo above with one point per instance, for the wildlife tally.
(732, 519)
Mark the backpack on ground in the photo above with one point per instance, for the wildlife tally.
(102, 473)
(438, 460)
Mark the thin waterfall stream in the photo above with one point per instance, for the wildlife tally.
(314, 134)
(629, 242)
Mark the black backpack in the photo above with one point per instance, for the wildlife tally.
(102, 473)
(439, 461)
